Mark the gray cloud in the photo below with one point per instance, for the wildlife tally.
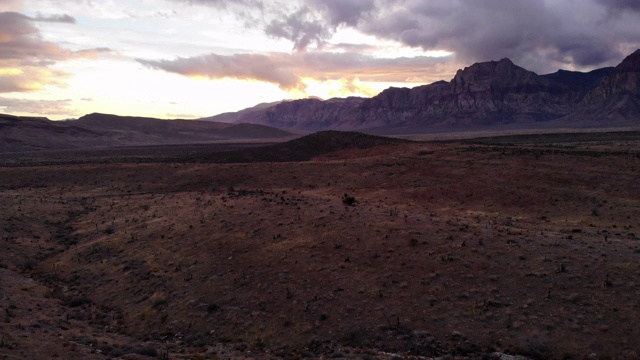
(225, 3)
(288, 71)
(272, 69)
(303, 28)
(633, 5)
(537, 34)
(42, 107)
(305, 23)
(315, 21)
(26, 58)
(340, 12)
(542, 35)
(64, 18)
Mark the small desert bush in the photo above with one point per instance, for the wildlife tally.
(76, 301)
(348, 200)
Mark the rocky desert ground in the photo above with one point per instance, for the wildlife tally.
(526, 245)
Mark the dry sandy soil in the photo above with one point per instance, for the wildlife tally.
(451, 249)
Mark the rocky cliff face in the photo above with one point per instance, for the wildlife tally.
(616, 99)
(624, 80)
(308, 114)
(482, 95)
(496, 92)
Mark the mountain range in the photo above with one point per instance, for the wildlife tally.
(491, 95)
(487, 95)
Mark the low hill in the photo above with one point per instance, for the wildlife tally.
(176, 131)
(21, 134)
(305, 148)
(32, 134)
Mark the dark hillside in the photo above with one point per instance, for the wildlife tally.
(306, 147)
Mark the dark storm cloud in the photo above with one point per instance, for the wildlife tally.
(536, 34)
(542, 35)
(633, 5)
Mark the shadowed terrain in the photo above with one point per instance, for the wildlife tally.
(335, 245)
(100, 131)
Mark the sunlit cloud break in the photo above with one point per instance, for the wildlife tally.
(288, 70)
(26, 58)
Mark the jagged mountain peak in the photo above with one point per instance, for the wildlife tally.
(631, 63)
(503, 70)
(505, 61)
(492, 65)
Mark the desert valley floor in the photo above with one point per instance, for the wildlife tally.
(460, 249)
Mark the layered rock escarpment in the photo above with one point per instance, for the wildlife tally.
(484, 94)
(616, 99)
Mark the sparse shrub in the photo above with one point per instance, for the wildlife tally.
(106, 349)
(142, 350)
(110, 230)
(164, 355)
(77, 301)
(413, 242)
(3, 342)
(115, 353)
(10, 311)
(86, 340)
(348, 200)
(159, 303)
(535, 347)
(213, 307)
(28, 264)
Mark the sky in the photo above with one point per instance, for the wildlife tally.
(196, 58)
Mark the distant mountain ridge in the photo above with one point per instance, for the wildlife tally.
(483, 95)
(230, 117)
(19, 134)
(487, 95)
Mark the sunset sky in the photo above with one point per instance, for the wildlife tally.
(195, 58)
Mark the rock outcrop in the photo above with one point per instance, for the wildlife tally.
(496, 92)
